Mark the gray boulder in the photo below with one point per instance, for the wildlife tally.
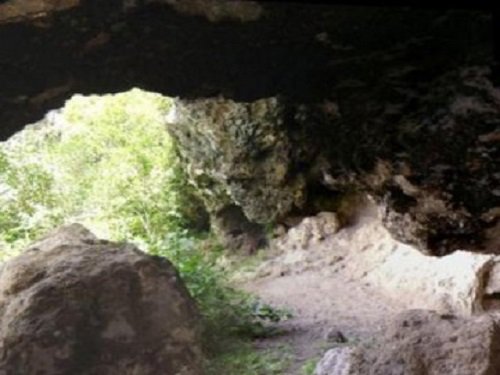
(420, 342)
(73, 304)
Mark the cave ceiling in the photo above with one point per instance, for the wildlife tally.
(399, 101)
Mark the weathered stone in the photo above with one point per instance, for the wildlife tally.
(412, 88)
(238, 154)
(450, 284)
(419, 342)
(338, 361)
(235, 232)
(309, 232)
(21, 10)
(72, 304)
(493, 280)
(457, 283)
(435, 174)
(334, 335)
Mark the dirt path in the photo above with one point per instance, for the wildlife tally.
(343, 285)
(331, 305)
(321, 307)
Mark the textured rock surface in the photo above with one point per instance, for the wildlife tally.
(437, 169)
(338, 361)
(310, 232)
(300, 51)
(218, 10)
(450, 284)
(213, 10)
(238, 154)
(423, 342)
(493, 281)
(72, 304)
(457, 283)
(410, 90)
(234, 231)
(18, 10)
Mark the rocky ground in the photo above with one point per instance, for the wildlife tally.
(339, 301)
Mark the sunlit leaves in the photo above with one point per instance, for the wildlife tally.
(105, 161)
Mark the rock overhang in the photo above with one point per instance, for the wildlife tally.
(358, 85)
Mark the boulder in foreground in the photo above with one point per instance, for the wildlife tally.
(73, 304)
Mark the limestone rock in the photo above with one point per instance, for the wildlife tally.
(365, 251)
(419, 342)
(309, 232)
(338, 361)
(238, 154)
(72, 304)
(351, 97)
(234, 231)
(450, 284)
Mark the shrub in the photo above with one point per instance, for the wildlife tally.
(107, 162)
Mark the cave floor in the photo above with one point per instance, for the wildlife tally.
(345, 288)
(326, 311)
(330, 305)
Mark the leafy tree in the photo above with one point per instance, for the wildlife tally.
(109, 163)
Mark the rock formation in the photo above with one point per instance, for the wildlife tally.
(311, 102)
(462, 283)
(420, 342)
(72, 304)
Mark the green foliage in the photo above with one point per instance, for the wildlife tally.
(245, 360)
(25, 195)
(109, 163)
(228, 314)
(309, 366)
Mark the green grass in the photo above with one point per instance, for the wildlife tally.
(309, 366)
(243, 358)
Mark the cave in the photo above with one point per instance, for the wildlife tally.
(285, 111)
(359, 85)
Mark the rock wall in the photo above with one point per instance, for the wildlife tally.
(239, 153)
(308, 102)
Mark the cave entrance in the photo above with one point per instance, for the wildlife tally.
(358, 145)
(148, 169)
(106, 162)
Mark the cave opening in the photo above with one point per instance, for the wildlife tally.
(295, 177)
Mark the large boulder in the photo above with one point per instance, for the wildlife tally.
(73, 304)
(420, 342)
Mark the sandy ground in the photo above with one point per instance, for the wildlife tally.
(325, 297)
(321, 305)
(343, 285)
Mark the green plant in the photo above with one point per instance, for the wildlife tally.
(227, 313)
(243, 359)
(309, 366)
(109, 163)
